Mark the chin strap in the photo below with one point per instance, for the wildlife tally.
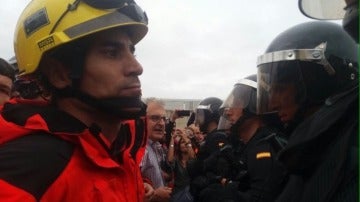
(121, 107)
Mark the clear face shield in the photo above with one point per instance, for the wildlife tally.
(232, 108)
(278, 83)
(201, 112)
(281, 84)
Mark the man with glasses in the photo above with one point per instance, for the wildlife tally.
(86, 142)
(155, 154)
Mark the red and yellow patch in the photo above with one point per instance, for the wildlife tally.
(221, 144)
(261, 155)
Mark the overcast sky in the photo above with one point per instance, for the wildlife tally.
(194, 48)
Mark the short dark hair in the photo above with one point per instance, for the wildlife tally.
(7, 70)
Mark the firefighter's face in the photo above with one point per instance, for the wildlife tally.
(111, 69)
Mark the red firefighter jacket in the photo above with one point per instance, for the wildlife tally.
(48, 155)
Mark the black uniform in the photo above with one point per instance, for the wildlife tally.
(200, 174)
(323, 153)
(251, 170)
(266, 176)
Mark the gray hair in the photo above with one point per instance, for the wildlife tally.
(156, 101)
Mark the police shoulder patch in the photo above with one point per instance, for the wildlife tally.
(262, 155)
(221, 144)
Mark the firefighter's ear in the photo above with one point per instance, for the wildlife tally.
(57, 74)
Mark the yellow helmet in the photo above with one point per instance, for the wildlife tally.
(47, 24)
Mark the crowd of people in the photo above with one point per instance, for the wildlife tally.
(73, 125)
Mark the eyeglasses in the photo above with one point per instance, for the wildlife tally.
(157, 118)
(127, 7)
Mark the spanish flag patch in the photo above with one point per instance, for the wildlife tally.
(263, 155)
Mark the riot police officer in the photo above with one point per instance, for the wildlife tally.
(206, 118)
(309, 76)
(251, 171)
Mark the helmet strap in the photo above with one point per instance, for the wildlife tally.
(121, 107)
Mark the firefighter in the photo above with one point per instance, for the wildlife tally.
(86, 142)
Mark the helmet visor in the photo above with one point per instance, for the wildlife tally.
(323, 9)
(280, 86)
(131, 10)
(239, 97)
(238, 100)
(201, 112)
(224, 124)
(106, 4)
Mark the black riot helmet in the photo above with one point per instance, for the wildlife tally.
(316, 59)
(240, 104)
(348, 10)
(206, 112)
